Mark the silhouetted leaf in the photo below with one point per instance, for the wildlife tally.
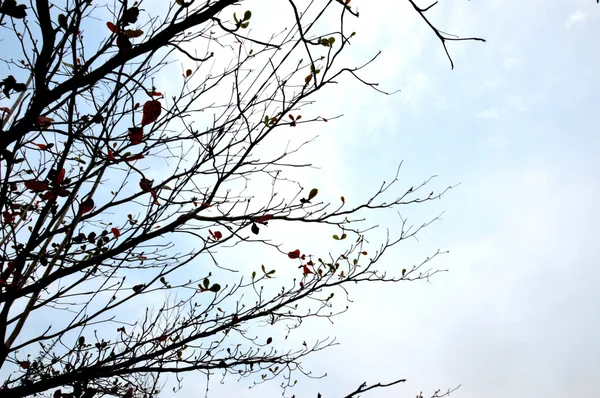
(151, 112)
(10, 8)
(36, 186)
(62, 21)
(136, 134)
(86, 206)
(133, 33)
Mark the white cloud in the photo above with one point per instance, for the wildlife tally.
(489, 114)
(496, 142)
(510, 63)
(574, 18)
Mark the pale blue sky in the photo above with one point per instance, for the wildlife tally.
(515, 124)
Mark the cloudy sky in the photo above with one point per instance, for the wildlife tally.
(514, 124)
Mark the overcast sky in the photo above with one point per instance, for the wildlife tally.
(515, 124)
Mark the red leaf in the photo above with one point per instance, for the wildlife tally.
(264, 218)
(50, 195)
(154, 196)
(151, 112)
(86, 206)
(188, 73)
(112, 27)
(218, 235)
(204, 205)
(163, 337)
(294, 254)
(36, 186)
(156, 94)
(44, 121)
(110, 155)
(134, 157)
(8, 216)
(306, 270)
(115, 231)
(63, 192)
(24, 364)
(60, 176)
(135, 135)
(41, 146)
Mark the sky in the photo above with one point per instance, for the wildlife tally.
(513, 128)
(514, 123)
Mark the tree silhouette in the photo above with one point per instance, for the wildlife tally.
(112, 188)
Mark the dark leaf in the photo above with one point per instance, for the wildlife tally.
(130, 16)
(138, 288)
(134, 157)
(151, 112)
(10, 8)
(44, 122)
(86, 206)
(50, 195)
(10, 83)
(133, 33)
(36, 186)
(124, 43)
(146, 184)
(60, 176)
(136, 134)
(294, 254)
(264, 219)
(62, 21)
